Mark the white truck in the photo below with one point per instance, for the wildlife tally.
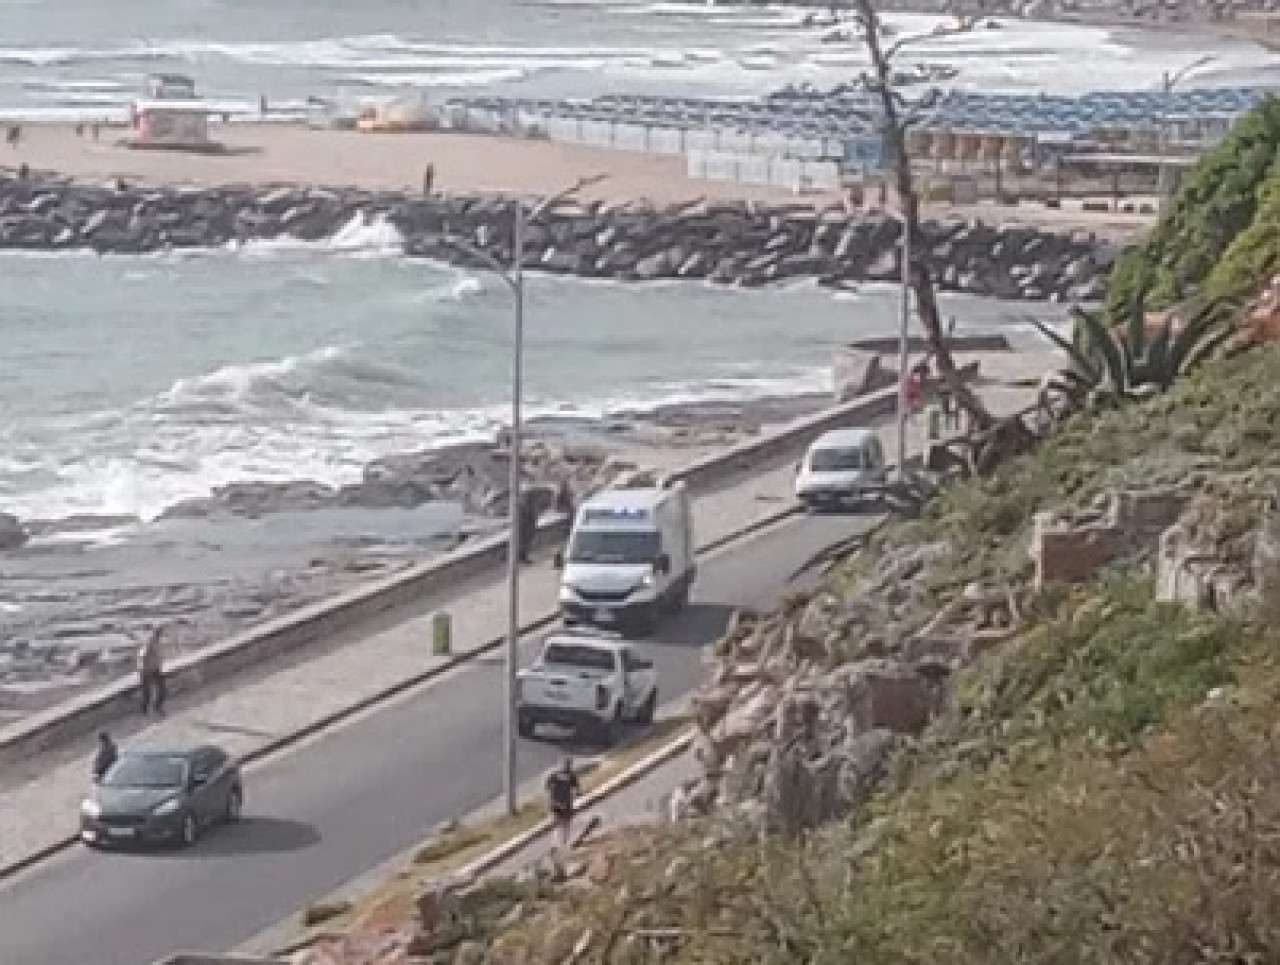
(589, 682)
(630, 558)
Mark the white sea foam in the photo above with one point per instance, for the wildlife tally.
(282, 420)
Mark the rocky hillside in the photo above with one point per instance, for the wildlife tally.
(1097, 778)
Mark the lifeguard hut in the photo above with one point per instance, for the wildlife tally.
(170, 116)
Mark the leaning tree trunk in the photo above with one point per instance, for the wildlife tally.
(920, 281)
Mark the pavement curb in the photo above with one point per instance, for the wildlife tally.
(330, 720)
(619, 782)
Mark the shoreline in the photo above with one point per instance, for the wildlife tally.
(73, 605)
(278, 155)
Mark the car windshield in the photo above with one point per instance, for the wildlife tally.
(614, 546)
(838, 460)
(147, 770)
(586, 658)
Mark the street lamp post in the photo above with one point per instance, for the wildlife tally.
(904, 336)
(1168, 82)
(513, 275)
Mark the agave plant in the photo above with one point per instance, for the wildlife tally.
(1128, 360)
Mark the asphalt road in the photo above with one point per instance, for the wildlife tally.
(332, 808)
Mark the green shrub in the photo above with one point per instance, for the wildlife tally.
(1218, 201)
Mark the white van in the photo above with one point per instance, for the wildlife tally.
(841, 466)
(629, 558)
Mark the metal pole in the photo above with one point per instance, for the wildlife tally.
(904, 334)
(1162, 175)
(513, 487)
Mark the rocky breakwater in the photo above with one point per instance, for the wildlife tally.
(731, 243)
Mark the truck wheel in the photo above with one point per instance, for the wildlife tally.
(644, 622)
(680, 597)
(525, 726)
(650, 707)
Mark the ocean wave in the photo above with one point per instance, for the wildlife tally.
(473, 78)
(361, 237)
(322, 416)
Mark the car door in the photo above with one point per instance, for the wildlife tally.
(205, 797)
(630, 680)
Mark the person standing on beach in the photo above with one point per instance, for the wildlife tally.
(428, 180)
(105, 757)
(562, 795)
(151, 673)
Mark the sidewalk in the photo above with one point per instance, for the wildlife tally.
(40, 797)
(637, 804)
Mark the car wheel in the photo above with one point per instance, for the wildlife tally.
(234, 806)
(648, 709)
(644, 623)
(189, 833)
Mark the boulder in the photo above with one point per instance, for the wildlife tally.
(13, 534)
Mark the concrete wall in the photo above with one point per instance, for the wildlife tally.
(1067, 550)
(306, 626)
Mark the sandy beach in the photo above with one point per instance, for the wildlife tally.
(464, 163)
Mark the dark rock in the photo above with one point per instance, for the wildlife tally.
(738, 243)
(12, 533)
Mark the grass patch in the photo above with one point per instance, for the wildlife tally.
(1105, 791)
(1103, 788)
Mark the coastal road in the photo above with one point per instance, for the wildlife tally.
(344, 802)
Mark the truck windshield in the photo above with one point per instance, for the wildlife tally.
(614, 546)
(569, 655)
(838, 460)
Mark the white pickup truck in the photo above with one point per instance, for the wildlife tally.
(586, 680)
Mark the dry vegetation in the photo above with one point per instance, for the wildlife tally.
(1102, 789)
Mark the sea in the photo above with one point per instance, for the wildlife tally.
(130, 383)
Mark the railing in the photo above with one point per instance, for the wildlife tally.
(797, 174)
(651, 138)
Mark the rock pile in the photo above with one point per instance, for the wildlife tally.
(473, 475)
(732, 243)
(806, 707)
(12, 533)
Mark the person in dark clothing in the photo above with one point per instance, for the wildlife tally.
(564, 498)
(528, 524)
(562, 793)
(428, 180)
(105, 757)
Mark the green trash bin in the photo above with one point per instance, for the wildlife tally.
(934, 422)
(441, 634)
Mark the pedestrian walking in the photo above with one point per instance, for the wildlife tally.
(528, 524)
(428, 180)
(151, 673)
(105, 756)
(562, 795)
(564, 498)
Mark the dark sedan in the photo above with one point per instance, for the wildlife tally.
(154, 797)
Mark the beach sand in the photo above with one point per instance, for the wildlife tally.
(464, 163)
